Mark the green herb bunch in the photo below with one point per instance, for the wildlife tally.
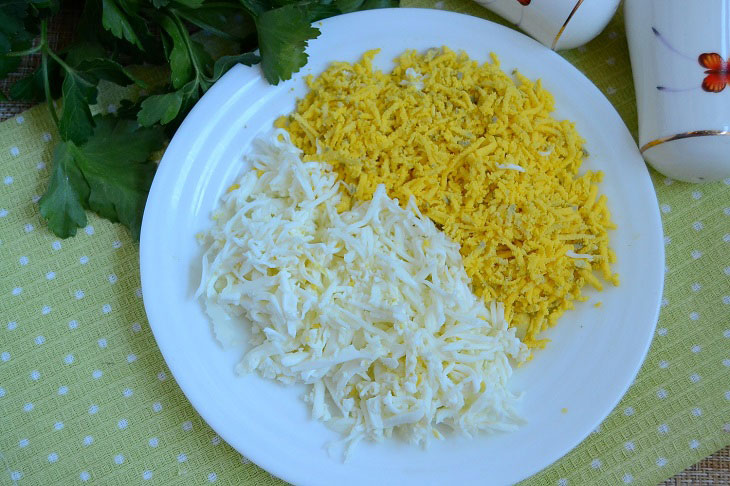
(102, 162)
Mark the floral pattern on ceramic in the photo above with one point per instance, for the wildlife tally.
(717, 69)
(680, 53)
(718, 72)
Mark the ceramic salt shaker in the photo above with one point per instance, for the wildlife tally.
(680, 60)
(559, 24)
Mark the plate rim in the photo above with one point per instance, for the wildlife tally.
(267, 462)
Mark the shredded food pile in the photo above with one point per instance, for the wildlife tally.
(484, 159)
(370, 307)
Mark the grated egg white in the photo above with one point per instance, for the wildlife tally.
(370, 307)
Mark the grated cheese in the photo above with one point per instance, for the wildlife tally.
(371, 306)
(484, 159)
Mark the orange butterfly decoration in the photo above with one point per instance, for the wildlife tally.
(718, 72)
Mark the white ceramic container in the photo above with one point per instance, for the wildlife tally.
(680, 54)
(559, 24)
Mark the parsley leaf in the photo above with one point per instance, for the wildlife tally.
(83, 50)
(352, 5)
(115, 164)
(110, 174)
(190, 93)
(61, 205)
(14, 35)
(8, 65)
(257, 7)
(45, 8)
(225, 63)
(373, 4)
(160, 109)
(283, 34)
(190, 3)
(181, 66)
(115, 20)
(79, 91)
(202, 62)
(30, 88)
(222, 20)
(101, 162)
(100, 68)
(13, 31)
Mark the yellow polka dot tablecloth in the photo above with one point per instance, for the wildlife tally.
(86, 398)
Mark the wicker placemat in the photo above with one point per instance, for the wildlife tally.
(711, 471)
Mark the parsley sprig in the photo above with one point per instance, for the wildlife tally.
(102, 162)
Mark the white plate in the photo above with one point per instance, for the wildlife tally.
(591, 362)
